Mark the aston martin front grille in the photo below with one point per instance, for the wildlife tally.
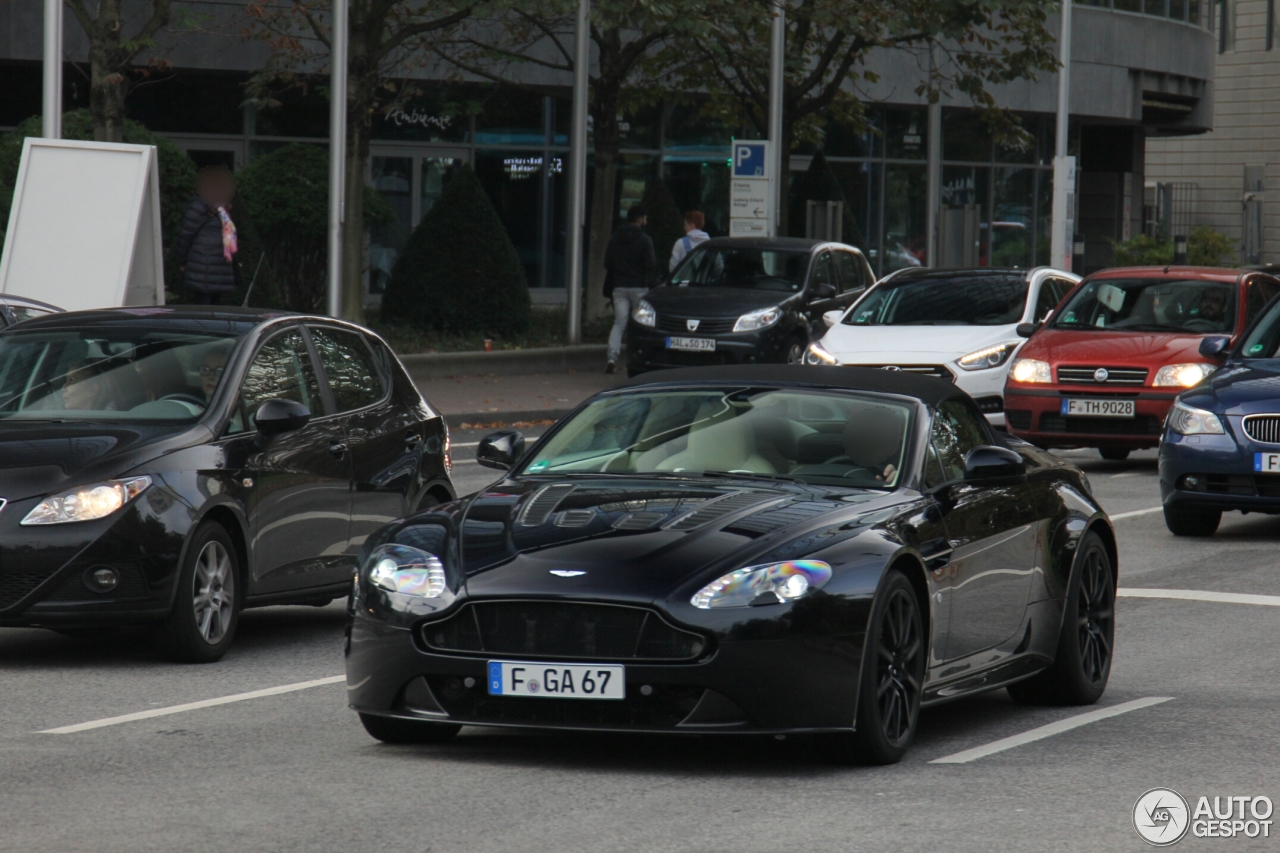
(1264, 429)
(562, 630)
(1114, 375)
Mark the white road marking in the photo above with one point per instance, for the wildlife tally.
(1050, 730)
(1137, 512)
(1126, 474)
(1200, 595)
(191, 706)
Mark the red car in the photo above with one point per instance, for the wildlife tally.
(1106, 367)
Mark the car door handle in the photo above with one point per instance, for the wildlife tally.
(412, 440)
(338, 449)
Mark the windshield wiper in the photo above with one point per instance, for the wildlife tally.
(730, 475)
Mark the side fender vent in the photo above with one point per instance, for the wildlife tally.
(575, 517)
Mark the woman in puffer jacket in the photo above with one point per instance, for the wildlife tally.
(207, 243)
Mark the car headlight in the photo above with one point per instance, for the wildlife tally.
(785, 581)
(1185, 420)
(1031, 371)
(87, 503)
(818, 354)
(644, 314)
(988, 357)
(408, 571)
(1182, 375)
(762, 319)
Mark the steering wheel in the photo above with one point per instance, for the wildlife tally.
(186, 398)
(1200, 325)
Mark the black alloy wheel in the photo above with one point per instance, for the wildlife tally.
(398, 731)
(1086, 641)
(206, 609)
(795, 351)
(1114, 454)
(892, 681)
(1192, 521)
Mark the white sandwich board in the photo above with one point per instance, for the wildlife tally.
(84, 229)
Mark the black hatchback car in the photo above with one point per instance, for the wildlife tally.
(170, 466)
(744, 301)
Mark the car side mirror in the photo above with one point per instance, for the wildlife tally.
(276, 417)
(832, 317)
(824, 291)
(500, 450)
(1026, 330)
(987, 464)
(1215, 346)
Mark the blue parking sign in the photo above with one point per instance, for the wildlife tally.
(749, 159)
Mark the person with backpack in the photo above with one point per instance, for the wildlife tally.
(693, 235)
(207, 242)
(629, 263)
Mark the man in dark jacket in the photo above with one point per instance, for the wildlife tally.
(207, 243)
(629, 263)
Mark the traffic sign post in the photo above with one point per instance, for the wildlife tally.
(752, 198)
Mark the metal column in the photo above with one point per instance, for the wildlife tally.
(578, 173)
(1064, 168)
(933, 247)
(777, 52)
(52, 69)
(337, 151)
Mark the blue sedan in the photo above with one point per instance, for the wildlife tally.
(1221, 445)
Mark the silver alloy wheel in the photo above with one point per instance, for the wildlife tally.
(795, 354)
(215, 592)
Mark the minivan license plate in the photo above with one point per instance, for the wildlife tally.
(1098, 408)
(1266, 463)
(557, 680)
(692, 344)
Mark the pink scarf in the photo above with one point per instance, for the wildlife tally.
(230, 245)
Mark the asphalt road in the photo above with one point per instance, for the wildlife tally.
(295, 771)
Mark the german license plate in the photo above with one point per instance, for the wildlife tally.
(1098, 408)
(692, 344)
(557, 680)
(1266, 463)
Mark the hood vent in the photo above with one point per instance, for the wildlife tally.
(575, 517)
(639, 520)
(544, 502)
(762, 523)
(717, 509)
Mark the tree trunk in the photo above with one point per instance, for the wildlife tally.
(784, 169)
(107, 84)
(608, 137)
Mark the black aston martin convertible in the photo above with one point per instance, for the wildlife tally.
(738, 550)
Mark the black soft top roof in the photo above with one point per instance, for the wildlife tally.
(927, 389)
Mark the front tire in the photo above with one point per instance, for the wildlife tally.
(892, 677)
(1114, 454)
(206, 609)
(396, 731)
(795, 351)
(1192, 521)
(1082, 666)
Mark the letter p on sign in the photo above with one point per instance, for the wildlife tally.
(749, 159)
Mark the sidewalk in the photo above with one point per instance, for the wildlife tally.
(489, 402)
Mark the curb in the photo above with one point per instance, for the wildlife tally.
(499, 420)
(422, 366)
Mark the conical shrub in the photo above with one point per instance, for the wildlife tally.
(459, 273)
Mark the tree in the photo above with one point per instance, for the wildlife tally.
(460, 272)
(287, 196)
(963, 47)
(387, 40)
(629, 72)
(111, 55)
(666, 223)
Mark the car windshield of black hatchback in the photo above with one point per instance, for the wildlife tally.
(986, 301)
(831, 438)
(1150, 305)
(114, 375)
(743, 269)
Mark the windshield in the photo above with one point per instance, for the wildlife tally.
(747, 269)
(813, 436)
(1264, 338)
(995, 301)
(1151, 305)
(110, 375)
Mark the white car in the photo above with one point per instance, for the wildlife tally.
(960, 325)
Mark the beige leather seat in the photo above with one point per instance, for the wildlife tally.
(723, 443)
